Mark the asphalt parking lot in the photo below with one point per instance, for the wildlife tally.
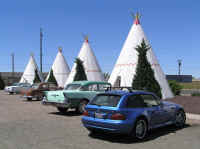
(30, 125)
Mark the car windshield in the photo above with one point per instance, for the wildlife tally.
(106, 100)
(24, 84)
(15, 84)
(35, 86)
(73, 87)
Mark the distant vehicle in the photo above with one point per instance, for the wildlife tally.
(37, 90)
(17, 87)
(133, 113)
(76, 95)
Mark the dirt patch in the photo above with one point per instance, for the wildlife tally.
(190, 104)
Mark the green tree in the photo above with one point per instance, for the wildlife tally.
(37, 78)
(144, 78)
(52, 78)
(175, 87)
(2, 84)
(80, 71)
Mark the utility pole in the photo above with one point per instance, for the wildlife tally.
(41, 37)
(13, 63)
(179, 68)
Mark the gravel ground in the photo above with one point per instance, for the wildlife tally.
(191, 104)
(29, 125)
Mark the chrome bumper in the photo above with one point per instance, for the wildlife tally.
(55, 104)
(27, 96)
(8, 90)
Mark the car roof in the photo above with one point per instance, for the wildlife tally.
(122, 93)
(89, 82)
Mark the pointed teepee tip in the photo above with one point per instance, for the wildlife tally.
(60, 49)
(137, 18)
(32, 55)
(86, 38)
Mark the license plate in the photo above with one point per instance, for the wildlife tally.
(98, 115)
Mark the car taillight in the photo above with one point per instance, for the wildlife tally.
(85, 113)
(118, 116)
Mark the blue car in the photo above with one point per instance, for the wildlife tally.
(131, 112)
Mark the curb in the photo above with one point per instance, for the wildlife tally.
(193, 116)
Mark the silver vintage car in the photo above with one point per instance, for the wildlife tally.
(17, 87)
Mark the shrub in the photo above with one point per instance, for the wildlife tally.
(80, 71)
(175, 87)
(37, 78)
(52, 78)
(2, 84)
(195, 94)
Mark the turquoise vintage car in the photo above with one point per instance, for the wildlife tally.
(75, 95)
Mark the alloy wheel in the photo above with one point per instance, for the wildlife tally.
(140, 129)
(180, 119)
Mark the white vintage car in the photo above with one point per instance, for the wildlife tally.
(17, 87)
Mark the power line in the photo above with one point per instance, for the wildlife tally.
(41, 36)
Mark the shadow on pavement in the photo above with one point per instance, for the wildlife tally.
(33, 100)
(69, 113)
(154, 134)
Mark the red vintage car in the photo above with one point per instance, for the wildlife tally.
(37, 90)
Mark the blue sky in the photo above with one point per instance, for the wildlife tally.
(172, 27)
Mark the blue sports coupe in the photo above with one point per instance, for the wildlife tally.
(131, 112)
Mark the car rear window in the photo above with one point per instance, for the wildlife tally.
(72, 87)
(106, 100)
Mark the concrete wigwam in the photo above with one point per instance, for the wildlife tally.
(29, 72)
(60, 69)
(92, 68)
(125, 67)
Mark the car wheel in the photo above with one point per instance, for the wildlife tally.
(140, 129)
(39, 98)
(81, 107)
(62, 110)
(29, 99)
(11, 93)
(93, 131)
(180, 119)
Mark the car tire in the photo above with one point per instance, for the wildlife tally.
(93, 131)
(140, 129)
(180, 119)
(29, 99)
(62, 110)
(81, 108)
(11, 93)
(39, 98)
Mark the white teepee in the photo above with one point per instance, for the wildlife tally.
(60, 69)
(29, 72)
(125, 67)
(92, 69)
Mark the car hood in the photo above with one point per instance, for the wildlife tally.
(169, 103)
(10, 86)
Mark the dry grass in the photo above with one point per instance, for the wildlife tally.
(193, 85)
